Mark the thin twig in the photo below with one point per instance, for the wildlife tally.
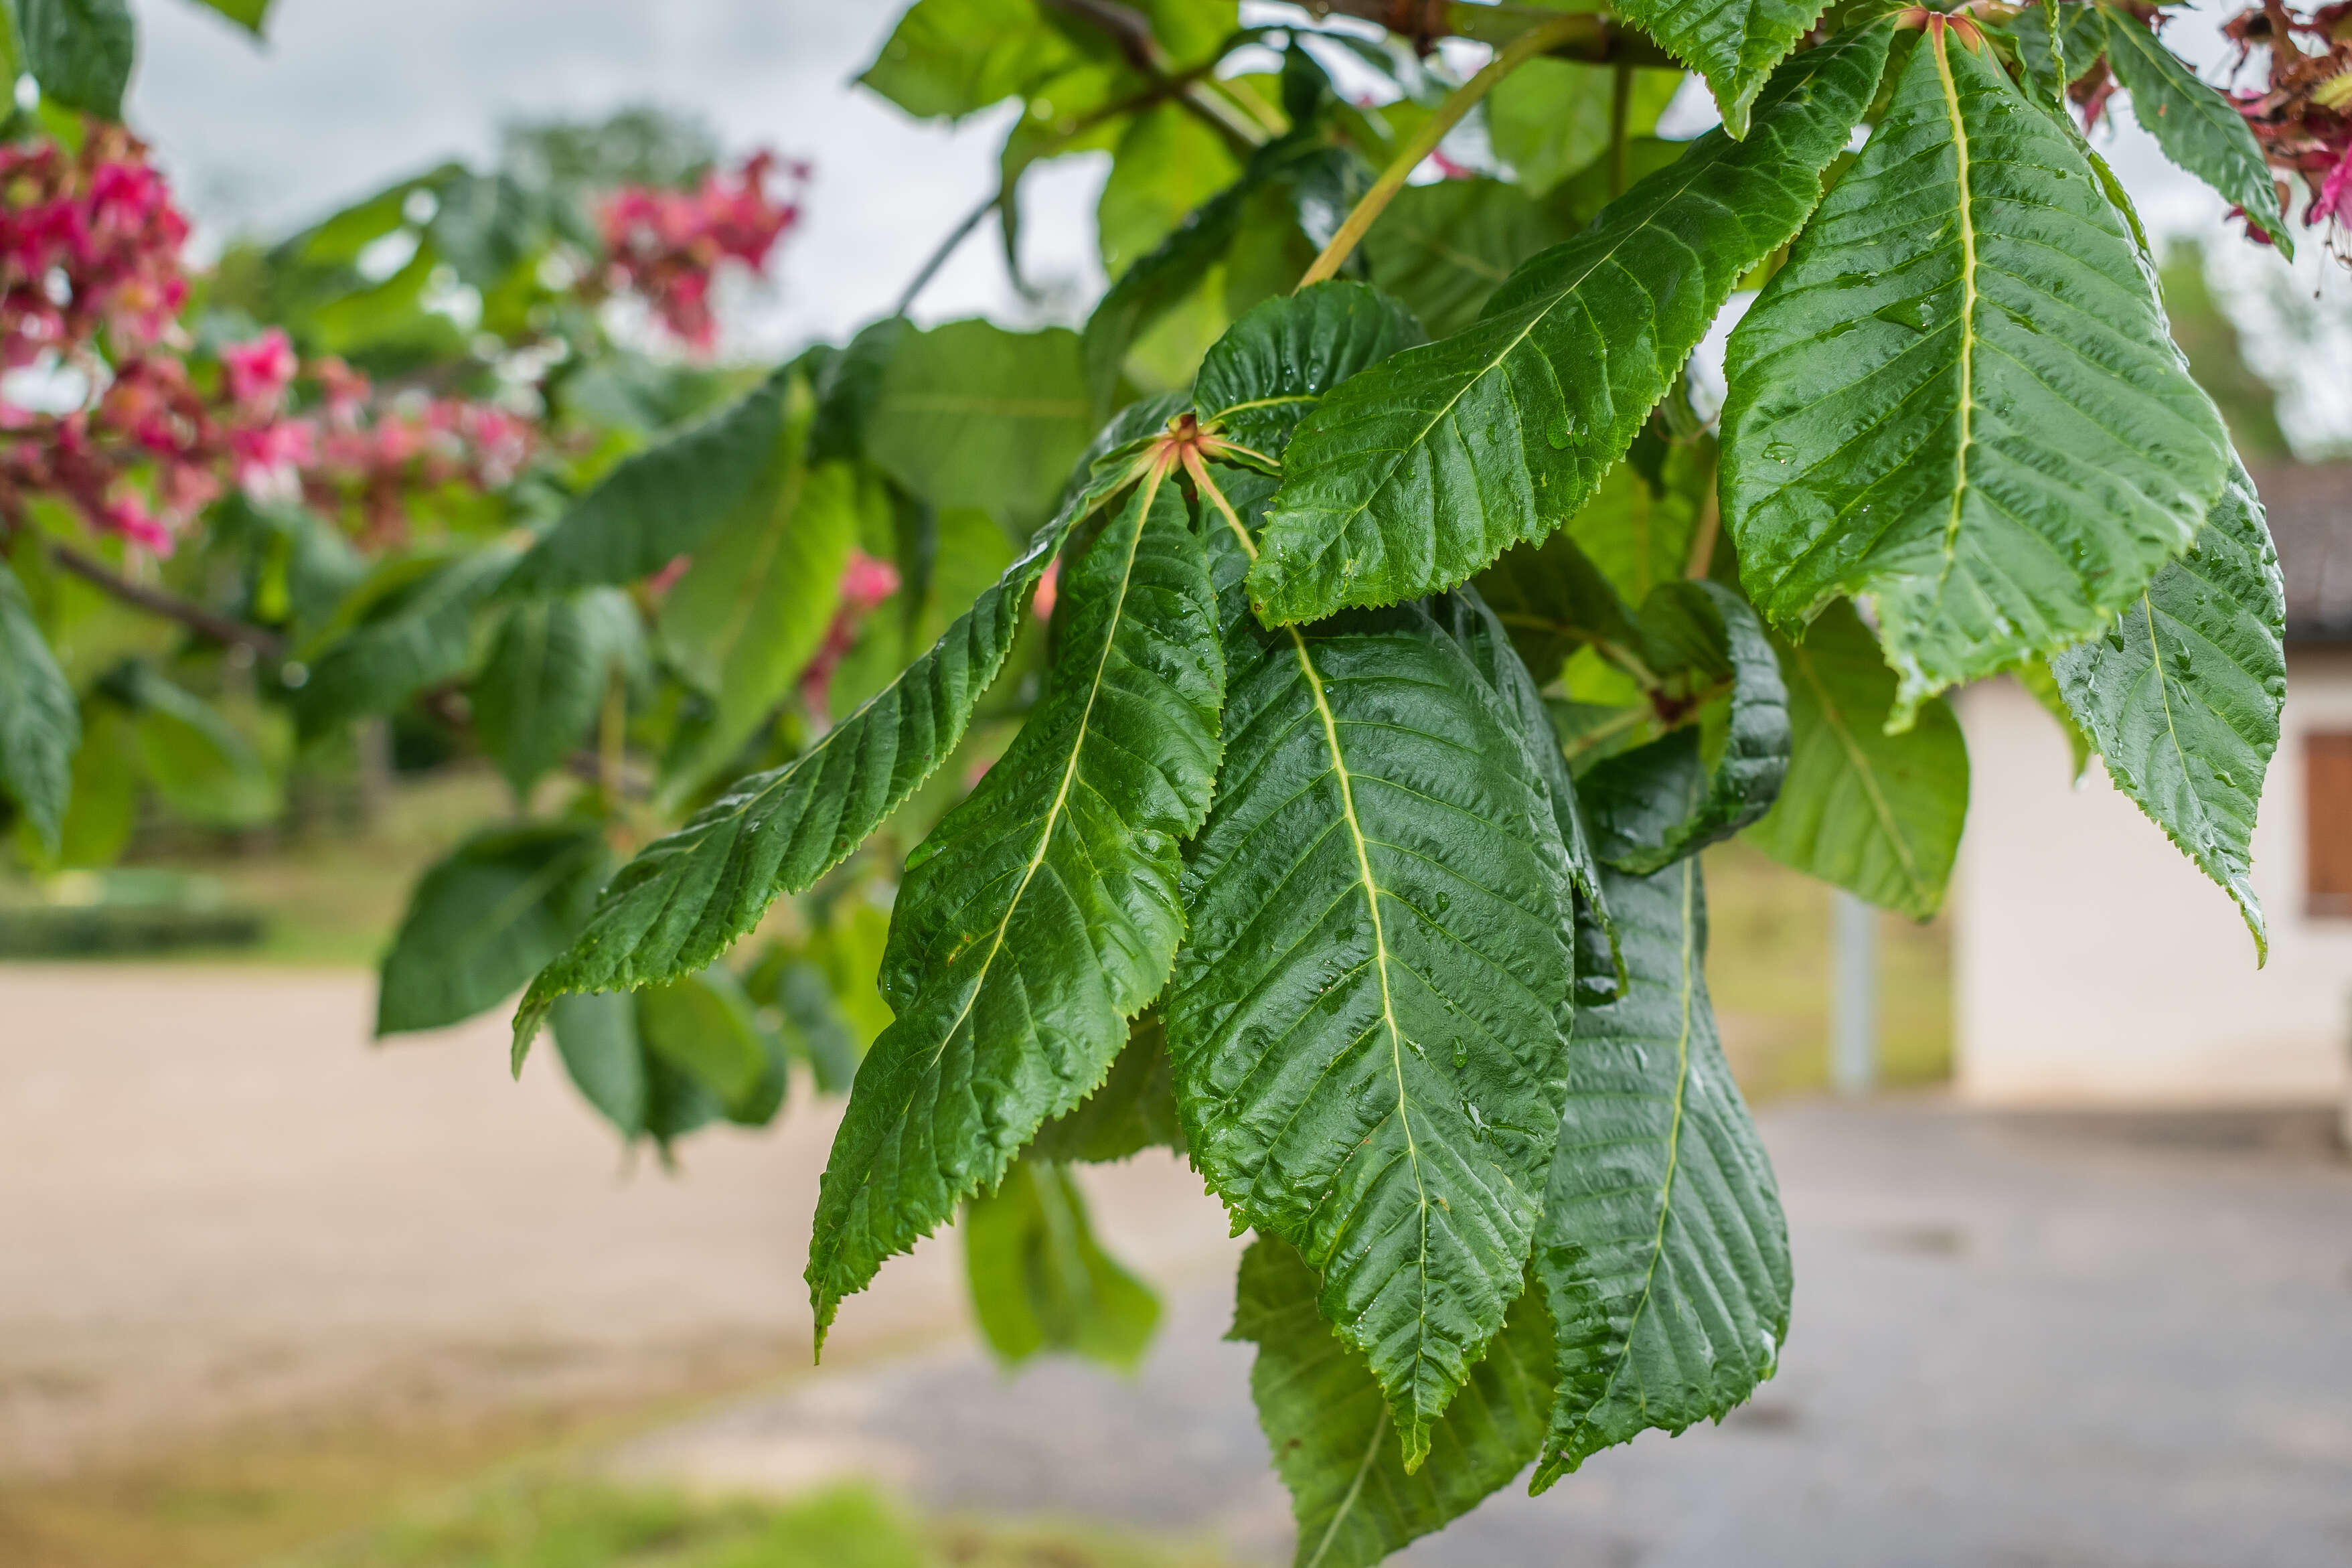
(1423, 142)
(1598, 41)
(1702, 550)
(945, 248)
(171, 607)
(1131, 30)
(1621, 121)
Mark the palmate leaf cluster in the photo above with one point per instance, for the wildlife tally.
(1411, 633)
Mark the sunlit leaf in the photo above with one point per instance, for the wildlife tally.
(1662, 1256)
(1168, 161)
(1958, 401)
(1327, 1423)
(1735, 44)
(2182, 694)
(1418, 473)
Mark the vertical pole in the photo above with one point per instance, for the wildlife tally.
(1853, 1010)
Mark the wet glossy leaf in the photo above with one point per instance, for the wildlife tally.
(1366, 1020)
(2198, 128)
(1040, 1281)
(79, 51)
(2182, 694)
(1327, 1423)
(1042, 913)
(1662, 1256)
(2077, 44)
(40, 725)
(1273, 367)
(1421, 471)
(1875, 813)
(1958, 401)
(1134, 1110)
(483, 918)
(1735, 44)
(546, 676)
(657, 504)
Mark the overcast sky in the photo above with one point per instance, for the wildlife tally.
(344, 97)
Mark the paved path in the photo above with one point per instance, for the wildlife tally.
(2024, 1343)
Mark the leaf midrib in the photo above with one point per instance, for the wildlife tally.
(1940, 33)
(1879, 804)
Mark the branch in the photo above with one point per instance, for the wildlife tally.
(1424, 141)
(1131, 30)
(171, 607)
(945, 248)
(1598, 41)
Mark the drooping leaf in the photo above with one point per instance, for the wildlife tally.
(104, 808)
(1421, 471)
(2198, 128)
(703, 1026)
(1551, 119)
(205, 769)
(1040, 1281)
(1366, 1021)
(657, 504)
(2035, 676)
(2076, 45)
(947, 59)
(1876, 814)
(640, 1093)
(79, 51)
(674, 907)
(40, 725)
(1327, 1423)
(815, 1027)
(1281, 358)
(1958, 400)
(1654, 805)
(483, 918)
(2182, 694)
(970, 415)
(545, 676)
(1553, 600)
(1735, 44)
(405, 641)
(1133, 1110)
(1662, 1256)
(1042, 913)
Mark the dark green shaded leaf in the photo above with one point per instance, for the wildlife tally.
(1663, 1255)
(657, 504)
(703, 1026)
(2182, 694)
(1876, 814)
(1657, 803)
(1958, 401)
(1279, 360)
(1366, 1022)
(40, 726)
(79, 51)
(970, 415)
(1553, 600)
(1042, 913)
(1421, 471)
(1039, 1279)
(2198, 128)
(104, 806)
(1443, 248)
(545, 677)
(483, 918)
(2071, 52)
(1134, 1110)
(1325, 1420)
(404, 641)
(815, 1027)
(596, 1039)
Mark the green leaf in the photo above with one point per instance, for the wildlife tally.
(546, 676)
(2196, 127)
(1735, 44)
(754, 607)
(79, 51)
(1367, 1019)
(1424, 469)
(2080, 40)
(1876, 814)
(2182, 694)
(1275, 364)
(947, 59)
(657, 504)
(40, 725)
(1134, 1110)
(641, 1094)
(104, 806)
(1664, 1255)
(1168, 162)
(251, 15)
(1042, 913)
(205, 771)
(674, 907)
(1325, 1420)
(1658, 803)
(1441, 249)
(815, 1027)
(970, 415)
(1550, 118)
(483, 918)
(1553, 600)
(703, 1026)
(2035, 675)
(1039, 1279)
(405, 640)
(1958, 401)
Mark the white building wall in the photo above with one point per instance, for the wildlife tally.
(2094, 964)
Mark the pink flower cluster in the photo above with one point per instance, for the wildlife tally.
(88, 243)
(865, 583)
(375, 452)
(666, 246)
(2301, 112)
